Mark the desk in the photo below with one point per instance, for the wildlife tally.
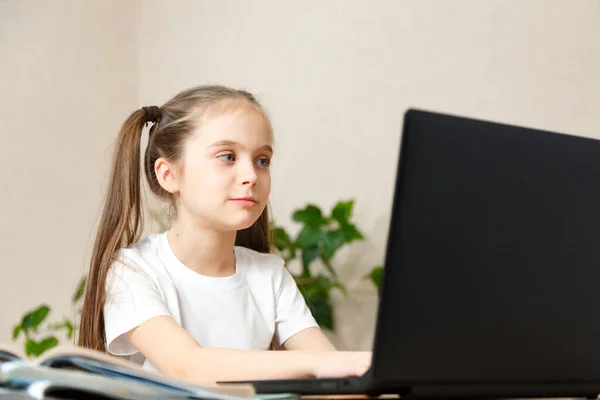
(393, 396)
(349, 397)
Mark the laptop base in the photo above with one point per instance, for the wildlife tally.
(313, 386)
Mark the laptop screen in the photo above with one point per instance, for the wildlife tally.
(493, 260)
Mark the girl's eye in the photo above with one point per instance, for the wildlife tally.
(264, 162)
(229, 157)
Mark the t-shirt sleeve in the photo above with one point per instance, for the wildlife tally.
(292, 313)
(132, 298)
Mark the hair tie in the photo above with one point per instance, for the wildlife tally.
(152, 113)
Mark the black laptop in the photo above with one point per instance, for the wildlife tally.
(491, 284)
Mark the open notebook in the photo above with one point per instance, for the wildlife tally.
(74, 372)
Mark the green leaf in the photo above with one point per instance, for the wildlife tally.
(70, 328)
(283, 243)
(308, 236)
(350, 233)
(282, 239)
(376, 276)
(341, 287)
(310, 216)
(323, 314)
(316, 294)
(324, 283)
(332, 240)
(342, 211)
(329, 267)
(30, 347)
(37, 348)
(16, 331)
(309, 254)
(33, 319)
(46, 344)
(80, 289)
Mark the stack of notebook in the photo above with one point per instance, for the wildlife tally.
(77, 373)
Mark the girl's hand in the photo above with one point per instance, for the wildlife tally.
(339, 364)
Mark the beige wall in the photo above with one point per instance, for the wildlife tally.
(336, 77)
(67, 79)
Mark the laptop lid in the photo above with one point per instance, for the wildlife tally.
(492, 270)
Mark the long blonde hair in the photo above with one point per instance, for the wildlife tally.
(121, 222)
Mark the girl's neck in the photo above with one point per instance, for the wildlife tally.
(204, 251)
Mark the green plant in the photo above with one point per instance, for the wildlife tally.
(32, 322)
(320, 238)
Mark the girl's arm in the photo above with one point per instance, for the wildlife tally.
(309, 339)
(176, 353)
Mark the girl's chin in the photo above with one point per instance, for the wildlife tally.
(242, 224)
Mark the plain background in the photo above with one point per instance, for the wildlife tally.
(335, 76)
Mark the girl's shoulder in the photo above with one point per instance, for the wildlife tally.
(147, 248)
(143, 256)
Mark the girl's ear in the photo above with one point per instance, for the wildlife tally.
(166, 173)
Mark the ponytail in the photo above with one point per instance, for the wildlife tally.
(120, 225)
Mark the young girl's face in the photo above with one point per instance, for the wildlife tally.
(225, 181)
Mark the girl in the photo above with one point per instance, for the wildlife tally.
(205, 300)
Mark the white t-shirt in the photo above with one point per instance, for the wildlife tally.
(250, 309)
